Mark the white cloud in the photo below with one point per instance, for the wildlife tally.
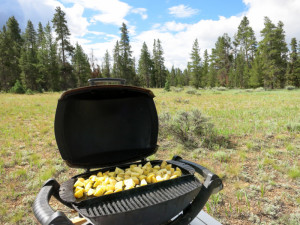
(140, 11)
(108, 12)
(76, 22)
(173, 26)
(182, 11)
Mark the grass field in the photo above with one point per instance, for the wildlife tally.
(260, 168)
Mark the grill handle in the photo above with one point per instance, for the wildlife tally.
(212, 185)
(212, 181)
(43, 211)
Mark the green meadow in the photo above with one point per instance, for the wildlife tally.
(255, 149)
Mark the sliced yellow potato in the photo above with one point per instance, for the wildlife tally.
(79, 194)
(163, 164)
(119, 185)
(97, 183)
(143, 182)
(159, 178)
(166, 177)
(110, 187)
(132, 166)
(99, 191)
(129, 183)
(119, 178)
(81, 179)
(91, 192)
(108, 192)
(118, 190)
(138, 170)
(78, 188)
(149, 178)
(174, 176)
(93, 178)
(136, 180)
(78, 184)
(118, 170)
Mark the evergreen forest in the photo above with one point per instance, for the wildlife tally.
(43, 59)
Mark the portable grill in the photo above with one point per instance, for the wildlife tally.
(104, 126)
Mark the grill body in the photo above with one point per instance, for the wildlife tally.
(138, 205)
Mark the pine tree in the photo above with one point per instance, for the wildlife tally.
(28, 61)
(221, 61)
(81, 66)
(40, 35)
(196, 67)
(158, 63)
(274, 54)
(67, 79)
(145, 67)
(256, 71)
(51, 59)
(293, 71)
(179, 77)
(116, 71)
(106, 70)
(205, 69)
(4, 60)
(172, 77)
(127, 70)
(11, 42)
(245, 44)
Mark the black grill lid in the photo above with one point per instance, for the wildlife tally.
(99, 126)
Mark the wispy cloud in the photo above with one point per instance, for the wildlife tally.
(182, 11)
(141, 11)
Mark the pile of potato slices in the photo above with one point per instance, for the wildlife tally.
(119, 180)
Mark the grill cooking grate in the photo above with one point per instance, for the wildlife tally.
(139, 199)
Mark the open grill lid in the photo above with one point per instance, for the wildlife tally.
(100, 126)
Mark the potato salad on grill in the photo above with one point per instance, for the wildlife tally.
(124, 179)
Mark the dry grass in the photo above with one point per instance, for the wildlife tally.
(260, 173)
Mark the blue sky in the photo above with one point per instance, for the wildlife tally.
(95, 23)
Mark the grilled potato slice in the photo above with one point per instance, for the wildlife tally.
(163, 164)
(138, 170)
(118, 170)
(118, 190)
(99, 191)
(129, 183)
(78, 184)
(149, 177)
(135, 180)
(174, 176)
(91, 192)
(159, 178)
(108, 192)
(143, 182)
(79, 193)
(119, 185)
(88, 186)
(110, 187)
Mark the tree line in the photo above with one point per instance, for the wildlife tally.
(37, 60)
